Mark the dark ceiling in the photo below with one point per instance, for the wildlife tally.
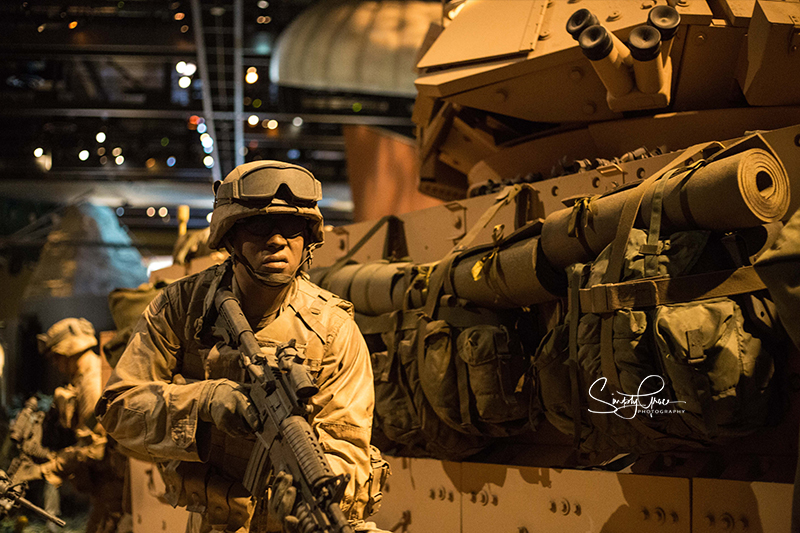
(93, 106)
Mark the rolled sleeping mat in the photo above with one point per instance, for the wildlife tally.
(375, 288)
(744, 190)
(339, 282)
(508, 279)
(741, 191)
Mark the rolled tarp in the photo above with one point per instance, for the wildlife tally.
(505, 276)
(502, 278)
(373, 288)
(744, 190)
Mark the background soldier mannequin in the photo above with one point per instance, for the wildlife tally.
(94, 468)
(177, 393)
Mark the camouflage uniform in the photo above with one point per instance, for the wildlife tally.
(91, 463)
(172, 363)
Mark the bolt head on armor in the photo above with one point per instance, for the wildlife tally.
(67, 337)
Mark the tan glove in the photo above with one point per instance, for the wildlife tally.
(50, 472)
(360, 526)
(223, 361)
(227, 406)
(281, 501)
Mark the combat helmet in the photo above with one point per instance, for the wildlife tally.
(266, 188)
(68, 337)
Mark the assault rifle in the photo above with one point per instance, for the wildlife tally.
(13, 495)
(281, 387)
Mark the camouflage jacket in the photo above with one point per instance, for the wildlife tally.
(150, 404)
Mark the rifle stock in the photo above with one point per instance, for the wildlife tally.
(286, 441)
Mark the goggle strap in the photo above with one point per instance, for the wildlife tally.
(231, 190)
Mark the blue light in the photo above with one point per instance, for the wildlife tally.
(170, 161)
(120, 211)
(201, 128)
(294, 153)
(208, 149)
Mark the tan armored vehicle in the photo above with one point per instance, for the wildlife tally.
(578, 340)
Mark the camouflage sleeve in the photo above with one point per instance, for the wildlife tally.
(343, 413)
(143, 408)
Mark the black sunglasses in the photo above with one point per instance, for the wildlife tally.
(289, 226)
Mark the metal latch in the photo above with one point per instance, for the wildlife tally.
(794, 39)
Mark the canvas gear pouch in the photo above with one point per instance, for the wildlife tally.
(718, 371)
(379, 474)
(707, 375)
(470, 374)
(403, 413)
(691, 365)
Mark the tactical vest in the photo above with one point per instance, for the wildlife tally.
(312, 316)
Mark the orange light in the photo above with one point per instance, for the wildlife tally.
(179, 16)
(73, 24)
(193, 119)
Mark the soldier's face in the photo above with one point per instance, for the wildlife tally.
(271, 243)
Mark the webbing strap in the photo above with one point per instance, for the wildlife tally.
(462, 378)
(649, 292)
(700, 379)
(442, 268)
(574, 318)
(631, 208)
(579, 219)
(651, 249)
(493, 278)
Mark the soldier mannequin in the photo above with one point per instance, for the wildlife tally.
(177, 393)
(90, 463)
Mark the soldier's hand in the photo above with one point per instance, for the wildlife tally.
(222, 360)
(281, 502)
(228, 407)
(50, 472)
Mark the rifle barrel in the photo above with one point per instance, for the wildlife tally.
(41, 512)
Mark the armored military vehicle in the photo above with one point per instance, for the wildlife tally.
(577, 339)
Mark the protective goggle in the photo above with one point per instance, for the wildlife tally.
(289, 226)
(263, 184)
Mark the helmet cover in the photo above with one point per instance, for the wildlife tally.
(68, 337)
(266, 188)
